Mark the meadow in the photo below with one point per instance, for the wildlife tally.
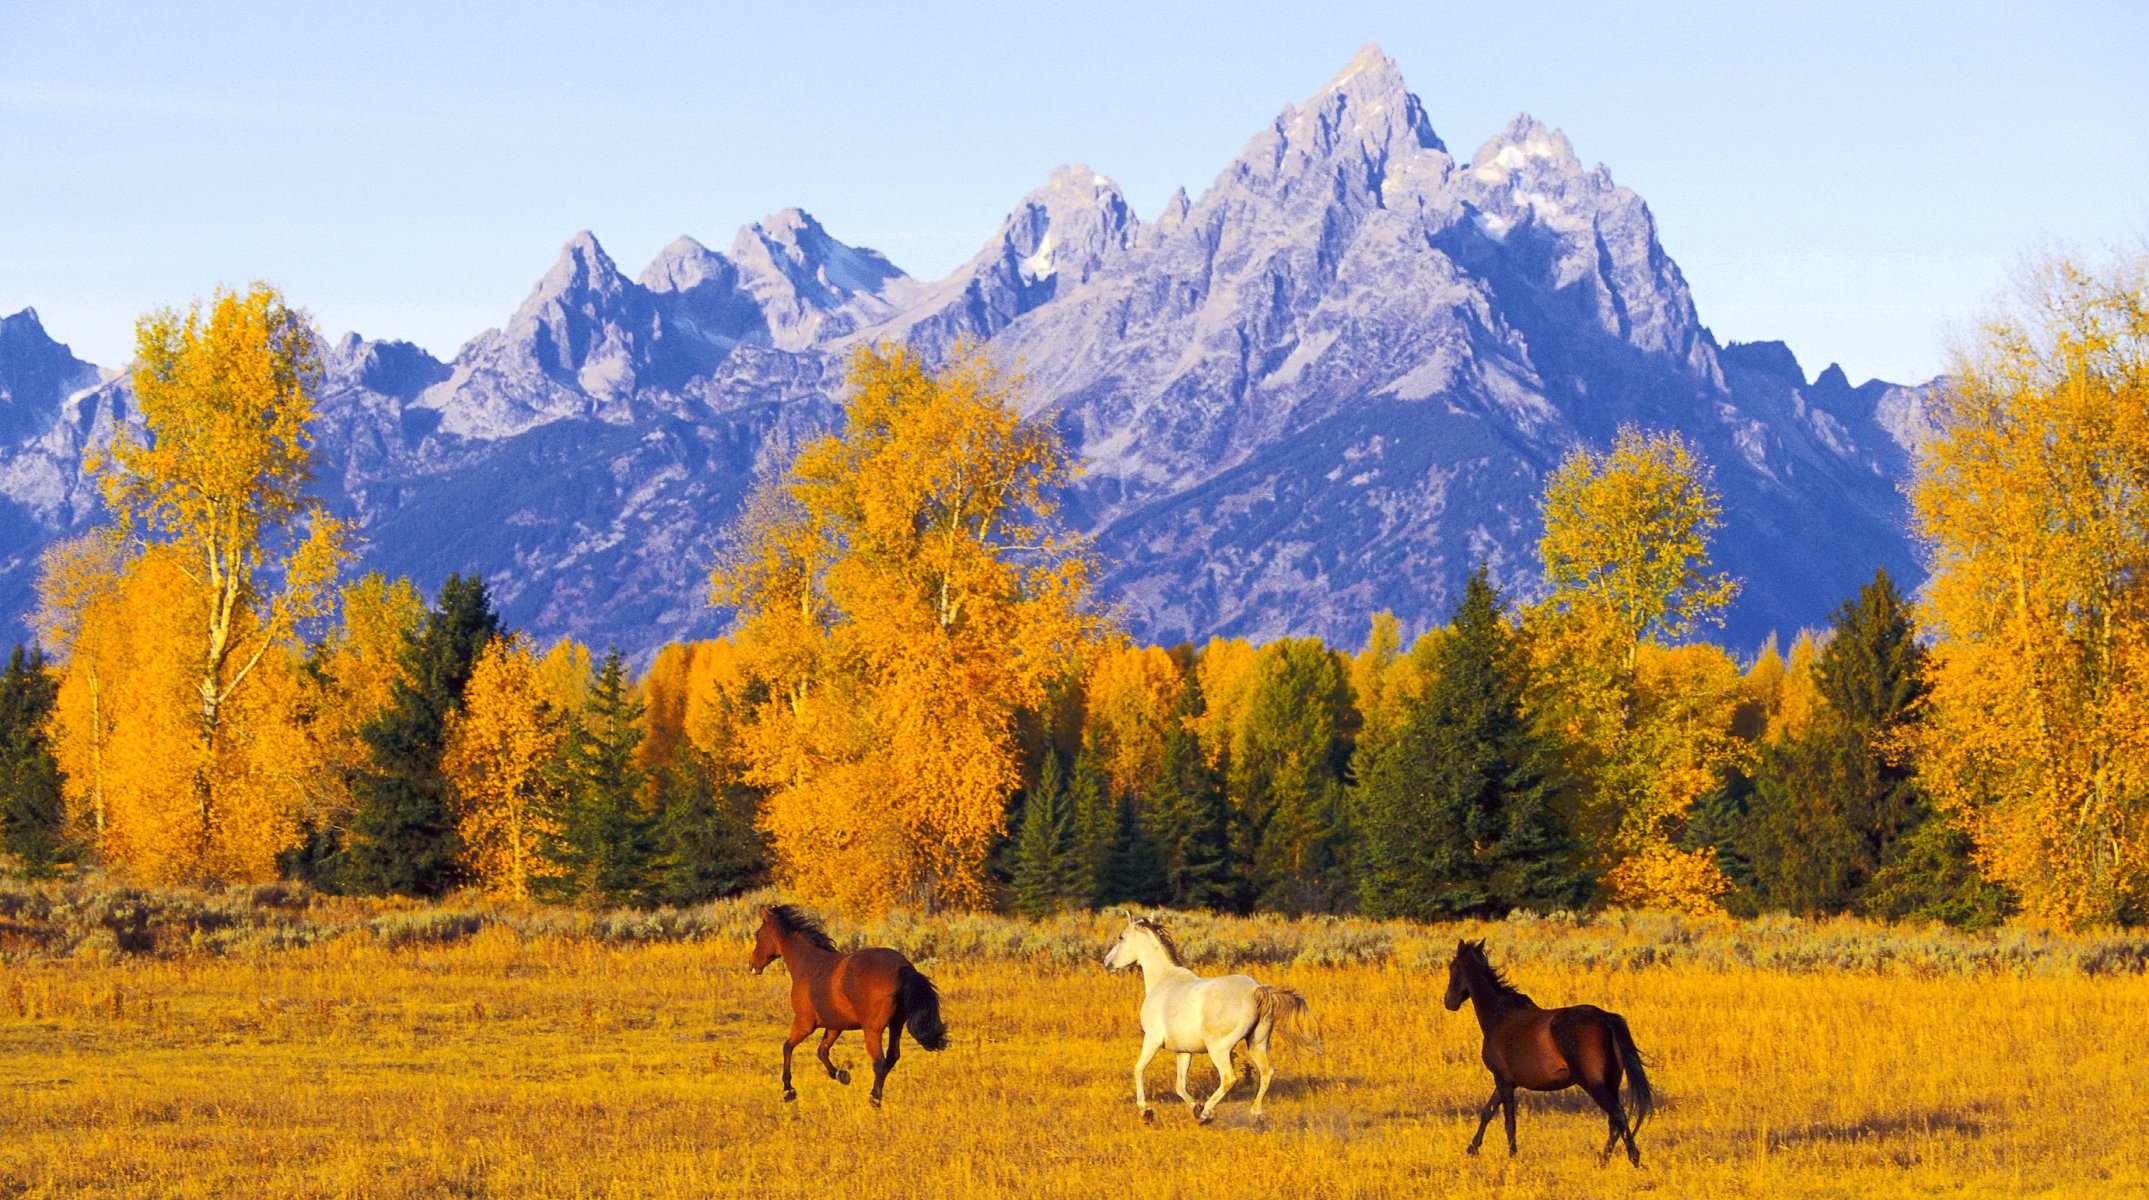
(269, 1042)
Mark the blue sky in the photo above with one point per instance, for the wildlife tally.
(1852, 178)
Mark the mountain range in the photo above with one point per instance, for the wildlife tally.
(1330, 384)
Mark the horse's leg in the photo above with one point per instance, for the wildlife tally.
(1226, 1075)
(1484, 1118)
(828, 1041)
(1507, 1099)
(1259, 1052)
(880, 1065)
(1184, 1060)
(1151, 1043)
(1606, 1094)
(802, 1027)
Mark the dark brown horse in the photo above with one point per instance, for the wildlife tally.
(1548, 1049)
(875, 990)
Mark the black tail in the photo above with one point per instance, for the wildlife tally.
(1630, 1061)
(920, 1002)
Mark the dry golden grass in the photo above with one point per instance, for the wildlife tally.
(506, 1064)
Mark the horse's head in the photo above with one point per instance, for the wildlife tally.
(767, 946)
(1458, 978)
(1124, 952)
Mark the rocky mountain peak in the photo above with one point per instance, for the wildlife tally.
(36, 375)
(684, 265)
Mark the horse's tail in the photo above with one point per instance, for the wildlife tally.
(920, 1002)
(1286, 1013)
(1630, 1061)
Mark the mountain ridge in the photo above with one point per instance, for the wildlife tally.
(1331, 382)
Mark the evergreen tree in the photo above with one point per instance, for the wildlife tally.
(707, 845)
(1188, 818)
(402, 837)
(607, 843)
(1287, 777)
(1455, 807)
(31, 807)
(1138, 871)
(1095, 814)
(1837, 821)
(1044, 844)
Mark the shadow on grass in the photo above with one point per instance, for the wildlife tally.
(1879, 1127)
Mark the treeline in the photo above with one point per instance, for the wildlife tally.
(921, 704)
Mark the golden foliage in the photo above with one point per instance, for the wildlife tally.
(1227, 676)
(501, 757)
(129, 736)
(215, 482)
(1627, 532)
(1386, 681)
(2033, 499)
(361, 663)
(903, 591)
(1659, 875)
(1130, 694)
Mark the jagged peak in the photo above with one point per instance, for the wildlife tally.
(684, 264)
(26, 319)
(1769, 358)
(791, 241)
(582, 266)
(1525, 139)
(1366, 109)
(1371, 68)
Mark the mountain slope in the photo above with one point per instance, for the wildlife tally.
(1330, 383)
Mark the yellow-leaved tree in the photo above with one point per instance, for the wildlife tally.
(2032, 498)
(1128, 700)
(227, 561)
(903, 591)
(502, 759)
(1626, 559)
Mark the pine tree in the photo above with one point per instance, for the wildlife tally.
(1286, 777)
(402, 837)
(31, 808)
(707, 845)
(608, 841)
(1138, 872)
(1044, 844)
(1837, 819)
(1455, 808)
(1189, 819)
(1095, 815)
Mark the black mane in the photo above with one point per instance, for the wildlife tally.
(1164, 939)
(790, 918)
(1474, 950)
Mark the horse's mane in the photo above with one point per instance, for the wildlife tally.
(790, 918)
(1164, 939)
(1475, 951)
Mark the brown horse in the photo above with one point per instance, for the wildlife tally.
(875, 990)
(1548, 1049)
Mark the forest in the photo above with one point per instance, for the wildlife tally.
(923, 704)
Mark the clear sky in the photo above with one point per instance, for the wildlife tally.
(1852, 178)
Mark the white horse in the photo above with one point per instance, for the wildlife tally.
(1188, 1013)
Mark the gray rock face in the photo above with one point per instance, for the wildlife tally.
(1331, 383)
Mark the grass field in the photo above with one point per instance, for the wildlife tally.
(544, 1054)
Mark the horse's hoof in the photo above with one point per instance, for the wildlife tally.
(790, 1094)
(1470, 1150)
(842, 1076)
(1149, 1115)
(873, 1100)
